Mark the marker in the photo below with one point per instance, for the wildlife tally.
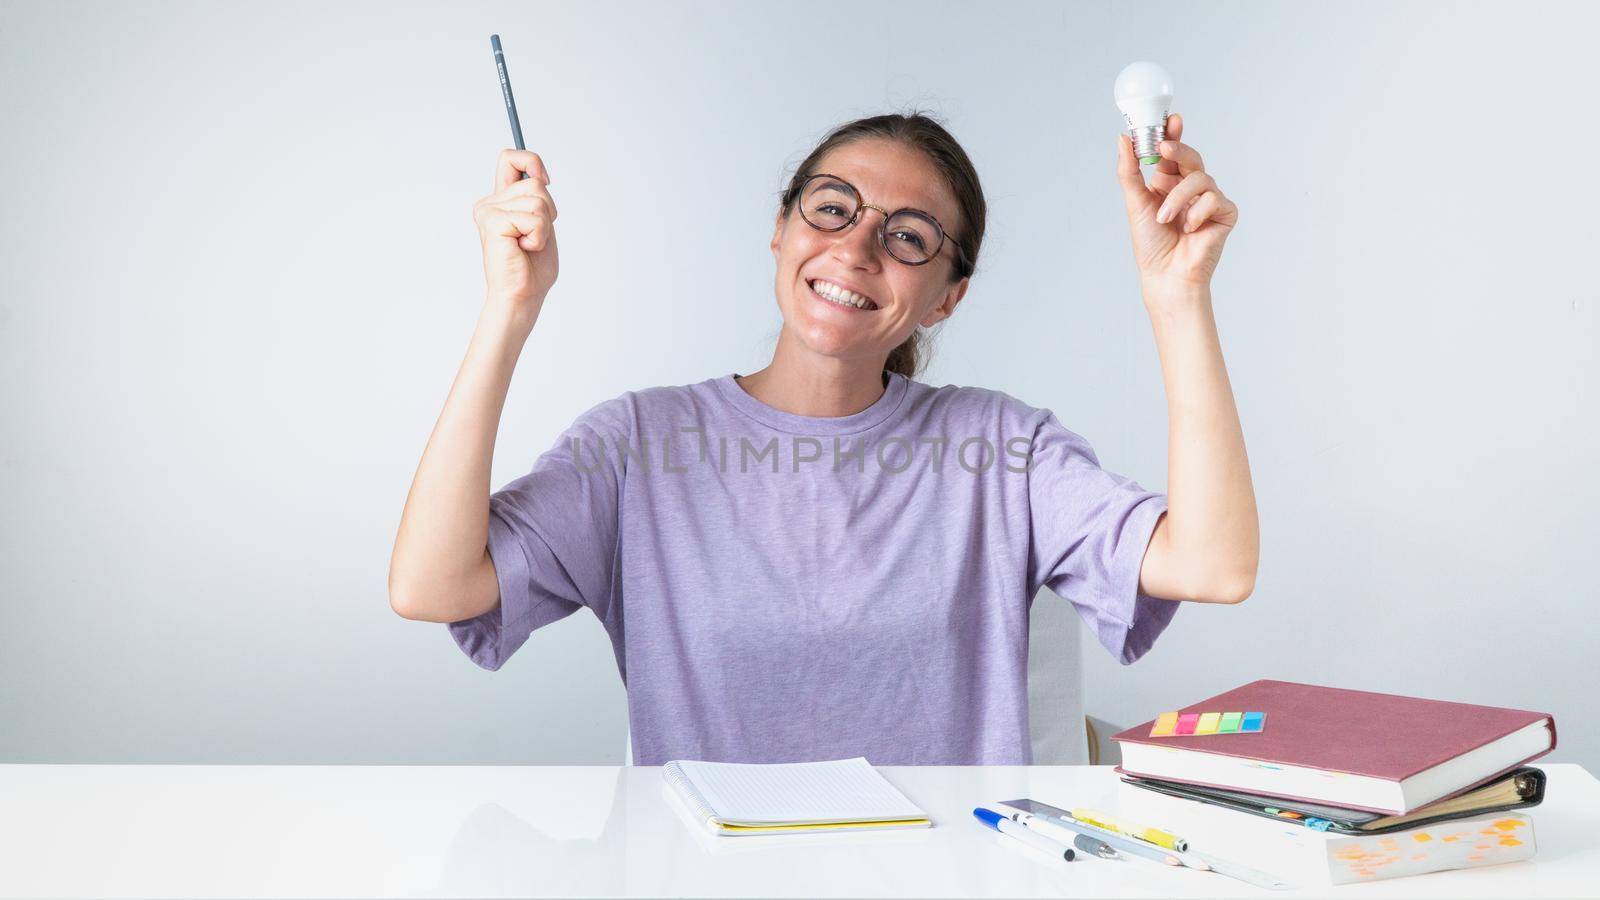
(1083, 842)
(1033, 839)
(1152, 835)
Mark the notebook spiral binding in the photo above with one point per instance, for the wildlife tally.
(680, 783)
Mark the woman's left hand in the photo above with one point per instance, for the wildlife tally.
(1180, 220)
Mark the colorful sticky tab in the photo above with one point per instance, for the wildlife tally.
(1174, 724)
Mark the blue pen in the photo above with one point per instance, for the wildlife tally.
(1032, 838)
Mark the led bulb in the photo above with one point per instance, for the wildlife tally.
(1144, 94)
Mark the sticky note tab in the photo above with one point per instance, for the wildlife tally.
(1174, 724)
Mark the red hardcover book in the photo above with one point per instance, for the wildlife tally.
(1356, 749)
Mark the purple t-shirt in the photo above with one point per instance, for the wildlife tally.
(781, 588)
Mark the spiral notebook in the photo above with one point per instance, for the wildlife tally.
(776, 798)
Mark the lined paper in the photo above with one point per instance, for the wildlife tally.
(829, 791)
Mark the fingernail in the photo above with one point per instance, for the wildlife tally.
(1163, 214)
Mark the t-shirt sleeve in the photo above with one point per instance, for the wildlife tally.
(1090, 532)
(553, 538)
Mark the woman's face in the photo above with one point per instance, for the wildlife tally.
(893, 176)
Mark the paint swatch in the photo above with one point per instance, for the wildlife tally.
(1174, 724)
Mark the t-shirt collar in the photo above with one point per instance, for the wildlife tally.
(881, 409)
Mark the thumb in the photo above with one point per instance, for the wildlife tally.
(1134, 191)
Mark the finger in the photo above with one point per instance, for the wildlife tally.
(1134, 193)
(528, 204)
(535, 230)
(1162, 183)
(512, 163)
(511, 223)
(1201, 209)
(1211, 207)
(1179, 158)
(1192, 186)
(1173, 131)
(527, 187)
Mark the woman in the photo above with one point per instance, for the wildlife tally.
(826, 558)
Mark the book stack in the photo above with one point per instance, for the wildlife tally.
(1333, 786)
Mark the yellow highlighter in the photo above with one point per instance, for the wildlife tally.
(1149, 835)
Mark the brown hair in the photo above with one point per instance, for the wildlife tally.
(921, 132)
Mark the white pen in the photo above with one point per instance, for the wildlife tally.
(1033, 839)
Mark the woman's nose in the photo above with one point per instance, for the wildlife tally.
(860, 240)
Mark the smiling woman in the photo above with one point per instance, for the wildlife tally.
(770, 608)
(927, 210)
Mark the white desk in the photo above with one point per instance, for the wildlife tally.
(447, 831)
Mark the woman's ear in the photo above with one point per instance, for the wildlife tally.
(777, 234)
(947, 305)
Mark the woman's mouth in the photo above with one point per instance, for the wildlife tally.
(829, 292)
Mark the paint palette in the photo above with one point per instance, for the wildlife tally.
(1173, 724)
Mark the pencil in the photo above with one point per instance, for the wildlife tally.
(505, 91)
(1121, 844)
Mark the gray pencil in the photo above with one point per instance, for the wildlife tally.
(505, 91)
(1122, 844)
(1057, 816)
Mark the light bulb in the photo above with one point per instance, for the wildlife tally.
(1144, 94)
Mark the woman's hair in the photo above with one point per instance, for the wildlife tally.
(920, 132)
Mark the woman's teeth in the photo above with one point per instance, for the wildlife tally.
(839, 295)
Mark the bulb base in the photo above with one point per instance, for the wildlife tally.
(1147, 143)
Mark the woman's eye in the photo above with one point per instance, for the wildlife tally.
(910, 237)
(833, 209)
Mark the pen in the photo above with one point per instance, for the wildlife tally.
(1083, 842)
(1037, 841)
(1122, 826)
(505, 91)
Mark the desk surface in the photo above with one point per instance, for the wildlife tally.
(490, 831)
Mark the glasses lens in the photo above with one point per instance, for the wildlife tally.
(827, 203)
(912, 237)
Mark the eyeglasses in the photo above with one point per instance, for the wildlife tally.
(829, 203)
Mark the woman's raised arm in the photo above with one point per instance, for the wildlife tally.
(440, 570)
(1207, 546)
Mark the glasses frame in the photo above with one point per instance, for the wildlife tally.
(883, 226)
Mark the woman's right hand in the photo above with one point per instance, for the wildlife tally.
(516, 226)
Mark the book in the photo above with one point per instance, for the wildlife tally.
(773, 798)
(1307, 858)
(1361, 750)
(1522, 788)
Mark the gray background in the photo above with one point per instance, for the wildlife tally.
(240, 271)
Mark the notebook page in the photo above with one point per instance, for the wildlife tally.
(832, 790)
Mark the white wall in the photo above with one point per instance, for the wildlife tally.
(239, 272)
